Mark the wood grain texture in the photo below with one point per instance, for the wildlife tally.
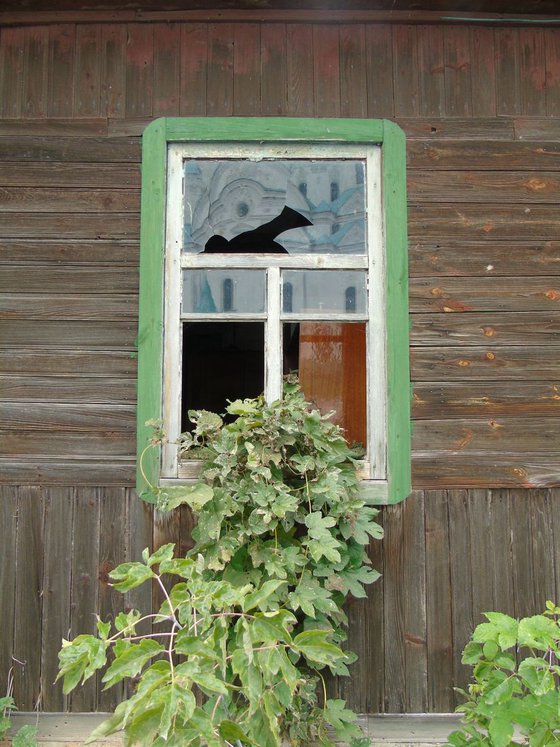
(483, 187)
(81, 279)
(273, 71)
(496, 155)
(299, 70)
(77, 389)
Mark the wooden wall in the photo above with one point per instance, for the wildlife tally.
(480, 107)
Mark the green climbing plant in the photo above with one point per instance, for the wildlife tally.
(237, 653)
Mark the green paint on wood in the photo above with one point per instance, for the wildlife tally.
(273, 129)
(150, 327)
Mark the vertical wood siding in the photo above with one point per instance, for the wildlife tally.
(480, 107)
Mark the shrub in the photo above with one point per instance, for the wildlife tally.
(515, 698)
(242, 638)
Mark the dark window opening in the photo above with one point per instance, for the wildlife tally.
(221, 361)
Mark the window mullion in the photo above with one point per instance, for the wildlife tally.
(273, 338)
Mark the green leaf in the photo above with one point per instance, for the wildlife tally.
(342, 720)
(130, 575)
(313, 644)
(261, 596)
(25, 737)
(231, 731)
(500, 730)
(538, 632)
(131, 661)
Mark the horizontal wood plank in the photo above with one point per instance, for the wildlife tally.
(55, 306)
(73, 473)
(89, 150)
(494, 328)
(485, 221)
(87, 389)
(62, 225)
(483, 186)
(484, 294)
(34, 252)
(457, 128)
(495, 155)
(484, 258)
(68, 200)
(77, 363)
(56, 174)
(492, 363)
(442, 400)
(486, 470)
(499, 434)
(535, 128)
(61, 126)
(59, 279)
(68, 336)
(59, 445)
(49, 416)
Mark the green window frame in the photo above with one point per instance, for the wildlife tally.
(160, 139)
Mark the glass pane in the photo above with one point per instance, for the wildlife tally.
(221, 361)
(330, 359)
(275, 206)
(315, 291)
(217, 291)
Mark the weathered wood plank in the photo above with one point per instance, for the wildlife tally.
(458, 83)
(457, 128)
(247, 70)
(483, 71)
(87, 72)
(414, 605)
(139, 70)
(11, 66)
(58, 543)
(544, 581)
(68, 336)
(495, 328)
(49, 200)
(82, 279)
(70, 225)
(501, 363)
(470, 155)
(552, 47)
(299, 67)
(84, 588)
(194, 53)
(74, 149)
(484, 259)
(483, 187)
(439, 603)
(219, 102)
(484, 294)
(523, 572)
(532, 73)
(92, 445)
(71, 362)
(62, 47)
(273, 69)
(8, 534)
(394, 580)
(113, 81)
(379, 71)
(405, 71)
(167, 69)
(139, 529)
(18, 251)
(35, 306)
(502, 434)
(533, 128)
(499, 563)
(73, 473)
(353, 77)
(476, 398)
(69, 389)
(34, 95)
(460, 578)
(29, 598)
(431, 71)
(48, 416)
(481, 551)
(112, 551)
(67, 175)
(56, 125)
(487, 221)
(443, 469)
(507, 71)
(326, 71)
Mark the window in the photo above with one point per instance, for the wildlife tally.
(271, 246)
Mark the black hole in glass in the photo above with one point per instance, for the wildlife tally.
(221, 361)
